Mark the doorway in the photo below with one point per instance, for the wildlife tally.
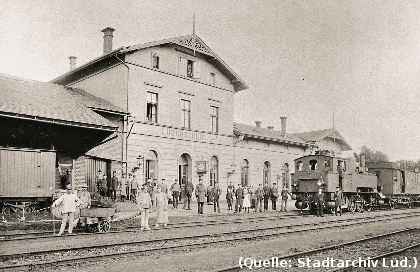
(184, 171)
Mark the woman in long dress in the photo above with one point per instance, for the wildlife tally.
(161, 208)
(247, 202)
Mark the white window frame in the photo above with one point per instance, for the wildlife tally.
(185, 112)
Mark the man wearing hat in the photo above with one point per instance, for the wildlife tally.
(114, 186)
(144, 204)
(69, 205)
(84, 196)
(200, 193)
(338, 197)
(284, 196)
(260, 196)
(175, 188)
(319, 201)
(216, 192)
(189, 188)
(239, 194)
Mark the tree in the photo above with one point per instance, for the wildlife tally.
(407, 164)
(371, 155)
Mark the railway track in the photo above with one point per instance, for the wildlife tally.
(252, 217)
(317, 259)
(49, 234)
(87, 254)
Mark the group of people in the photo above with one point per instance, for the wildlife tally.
(108, 187)
(256, 198)
(320, 201)
(242, 198)
(153, 197)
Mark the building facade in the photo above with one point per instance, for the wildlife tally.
(180, 96)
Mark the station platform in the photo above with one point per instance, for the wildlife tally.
(128, 210)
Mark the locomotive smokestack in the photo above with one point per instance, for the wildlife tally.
(258, 123)
(362, 162)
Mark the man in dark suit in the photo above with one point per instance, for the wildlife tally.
(338, 197)
(200, 193)
(259, 195)
(266, 194)
(319, 200)
(189, 188)
(239, 193)
(274, 194)
(216, 192)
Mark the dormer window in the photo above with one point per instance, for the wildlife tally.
(155, 60)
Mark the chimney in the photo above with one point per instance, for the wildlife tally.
(283, 125)
(270, 127)
(258, 123)
(72, 62)
(108, 39)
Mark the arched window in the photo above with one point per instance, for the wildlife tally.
(267, 173)
(151, 159)
(244, 172)
(214, 170)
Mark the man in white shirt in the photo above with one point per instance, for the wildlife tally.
(69, 205)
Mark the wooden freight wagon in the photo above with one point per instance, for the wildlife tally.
(400, 184)
(27, 178)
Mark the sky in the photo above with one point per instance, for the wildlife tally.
(356, 60)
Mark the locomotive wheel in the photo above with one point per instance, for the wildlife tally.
(92, 227)
(368, 207)
(104, 226)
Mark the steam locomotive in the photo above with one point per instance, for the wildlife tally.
(324, 170)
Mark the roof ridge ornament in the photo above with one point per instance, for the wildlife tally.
(188, 42)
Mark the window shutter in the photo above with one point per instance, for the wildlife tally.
(182, 67)
(196, 69)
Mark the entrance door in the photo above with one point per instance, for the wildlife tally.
(183, 178)
(184, 171)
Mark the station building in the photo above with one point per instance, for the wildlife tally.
(180, 98)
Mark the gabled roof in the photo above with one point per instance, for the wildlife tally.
(192, 42)
(47, 102)
(267, 134)
(318, 135)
